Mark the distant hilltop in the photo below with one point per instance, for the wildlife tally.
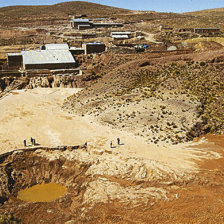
(22, 16)
(14, 15)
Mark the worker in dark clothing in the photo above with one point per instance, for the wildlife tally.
(34, 141)
(31, 139)
(24, 143)
(118, 141)
(111, 145)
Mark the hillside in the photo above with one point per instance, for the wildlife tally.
(20, 15)
(15, 16)
(171, 99)
(207, 12)
(207, 18)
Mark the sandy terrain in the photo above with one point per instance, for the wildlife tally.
(36, 113)
(136, 177)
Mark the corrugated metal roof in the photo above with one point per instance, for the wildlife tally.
(76, 48)
(14, 54)
(121, 33)
(120, 36)
(47, 57)
(207, 28)
(107, 24)
(95, 43)
(81, 20)
(56, 47)
(86, 25)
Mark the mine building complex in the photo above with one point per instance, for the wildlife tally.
(50, 56)
(83, 24)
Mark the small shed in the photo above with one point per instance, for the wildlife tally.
(76, 22)
(14, 59)
(95, 47)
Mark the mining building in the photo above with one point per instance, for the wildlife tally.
(95, 47)
(50, 56)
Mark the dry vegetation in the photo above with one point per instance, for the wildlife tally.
(150, 100)
(58, 14)
(161, 100)
(53, 14)
(207, 18)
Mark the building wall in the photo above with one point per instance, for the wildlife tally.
(206, 30)
(77, 52)
(15, 61)
(94, 48)
(106, 25)
(81, 27)
(186, 30)
(50, 66)
(76, 24)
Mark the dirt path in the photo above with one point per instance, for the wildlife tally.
(151, 37)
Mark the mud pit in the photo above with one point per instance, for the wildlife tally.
(102, 192)
(42, 193)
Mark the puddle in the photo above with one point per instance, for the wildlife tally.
(42, 193)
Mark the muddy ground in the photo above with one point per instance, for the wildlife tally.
(108, 196)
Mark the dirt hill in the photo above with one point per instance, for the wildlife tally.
(59, 13)
(208, 18)
(216, 12)
(14, 15)
(169, 99)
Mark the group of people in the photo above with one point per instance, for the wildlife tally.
(118, 142)
(32, 140)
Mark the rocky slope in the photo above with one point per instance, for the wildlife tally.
(171, 99)
(7, 84)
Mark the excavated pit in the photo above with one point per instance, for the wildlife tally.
(23, 170)
(103, 186)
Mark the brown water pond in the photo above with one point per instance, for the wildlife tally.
(42, 192)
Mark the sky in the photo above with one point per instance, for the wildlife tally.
(148, 5)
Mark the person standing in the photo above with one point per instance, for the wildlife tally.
(118, 141)
(111, 145)
(24, 143)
